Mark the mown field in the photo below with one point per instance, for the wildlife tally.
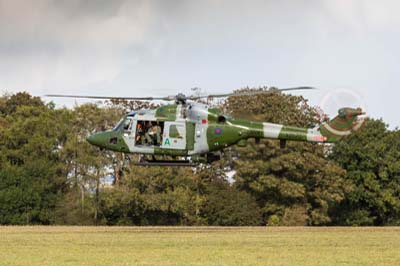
(199, 246)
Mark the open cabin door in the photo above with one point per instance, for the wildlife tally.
(174, 136)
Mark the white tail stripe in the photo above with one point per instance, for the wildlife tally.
(337, 132)
(271, 130)
(356, 126)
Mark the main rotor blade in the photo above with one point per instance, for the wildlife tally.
(250, 93)
(181, 96)
(168, 98)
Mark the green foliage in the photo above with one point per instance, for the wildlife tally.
(225, 205)
(30, 169)
(85, 164)
(296, 185)
(9, 105)
(273, 107)
(150, 197)
(49, 174)
(371, 158)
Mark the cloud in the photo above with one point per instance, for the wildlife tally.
(364, 15)
(68, 43)
(143, 47)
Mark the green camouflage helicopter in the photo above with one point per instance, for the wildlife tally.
(196, 132)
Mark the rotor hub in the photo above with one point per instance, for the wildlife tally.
(180, 98)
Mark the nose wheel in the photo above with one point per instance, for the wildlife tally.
(126, 160)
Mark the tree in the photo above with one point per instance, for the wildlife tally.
(224, 205)
(371, 158)
(30, 169)
(153, 196)
(49, 174)
(9, 104)
(296, 185)
(85, 164)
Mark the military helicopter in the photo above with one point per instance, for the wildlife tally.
(196, 132)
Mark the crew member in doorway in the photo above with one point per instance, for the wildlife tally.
(153, 134)
(140, 134)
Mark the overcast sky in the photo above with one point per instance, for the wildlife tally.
(347, 48)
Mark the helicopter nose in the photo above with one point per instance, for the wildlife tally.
(95, 139)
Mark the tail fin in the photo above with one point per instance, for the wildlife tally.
(343, 125)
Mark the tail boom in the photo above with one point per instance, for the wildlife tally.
(342, 126)
(233, 131)
(275, 131)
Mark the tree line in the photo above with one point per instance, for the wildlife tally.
(50, 175)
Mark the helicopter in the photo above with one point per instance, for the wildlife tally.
(198, 133)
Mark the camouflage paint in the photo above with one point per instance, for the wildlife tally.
(293, 133)
(205, 133)
(166, 112)
(221, 135)
(104, 140)
(213, 114)
(342, 125)
(190, 127)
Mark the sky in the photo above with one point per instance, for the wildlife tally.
(349, 49)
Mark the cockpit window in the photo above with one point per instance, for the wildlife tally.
(127, 123)
(119, 124)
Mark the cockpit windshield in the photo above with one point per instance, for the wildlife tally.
(132, 114)
(128, 123)
(119, 124)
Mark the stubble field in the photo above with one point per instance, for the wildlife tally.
(199, 246)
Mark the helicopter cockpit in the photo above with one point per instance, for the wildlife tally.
(126, 122)
(119, 124)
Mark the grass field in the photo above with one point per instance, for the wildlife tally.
(199, 246)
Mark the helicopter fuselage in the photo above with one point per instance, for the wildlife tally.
(191, 129)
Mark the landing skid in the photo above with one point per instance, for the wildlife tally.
(165, 163)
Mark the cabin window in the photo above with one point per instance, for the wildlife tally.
(174, 131)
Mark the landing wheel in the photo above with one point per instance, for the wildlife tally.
(126, 160)
(142, 158)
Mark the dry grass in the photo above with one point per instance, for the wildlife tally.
(199, 246)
